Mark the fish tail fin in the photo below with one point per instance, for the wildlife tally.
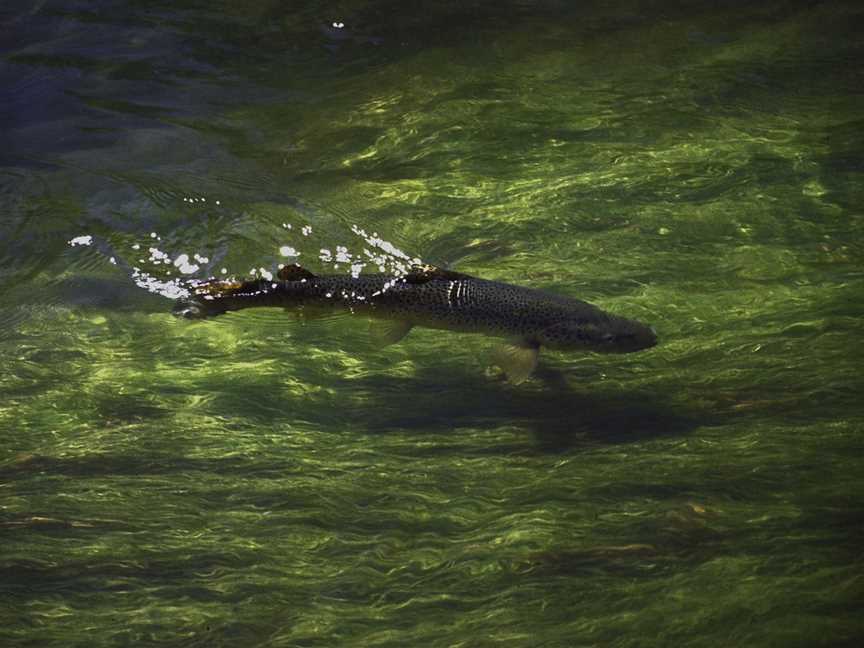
(214, 298)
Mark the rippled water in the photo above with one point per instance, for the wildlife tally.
(263, 480)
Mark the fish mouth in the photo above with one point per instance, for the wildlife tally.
(638, 338)
(646, 339)
(651, 341)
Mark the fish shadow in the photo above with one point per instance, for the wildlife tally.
(558, 416)
(559, 410)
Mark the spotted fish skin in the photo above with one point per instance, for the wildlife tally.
(434, 298)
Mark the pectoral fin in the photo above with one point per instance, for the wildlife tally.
(517, 359)
(389, 332)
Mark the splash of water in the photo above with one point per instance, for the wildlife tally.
(154, 273)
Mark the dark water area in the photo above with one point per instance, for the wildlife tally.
(265, 480)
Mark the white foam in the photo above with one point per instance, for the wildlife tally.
(84, 239)
(182, 264)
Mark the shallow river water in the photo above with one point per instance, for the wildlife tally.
(263, 480)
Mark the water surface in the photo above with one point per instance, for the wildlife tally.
(261, 480)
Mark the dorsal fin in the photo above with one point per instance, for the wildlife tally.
(294, 272)
(420, 274)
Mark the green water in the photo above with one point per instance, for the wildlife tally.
(257, 480)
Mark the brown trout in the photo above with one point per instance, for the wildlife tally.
(439, 299)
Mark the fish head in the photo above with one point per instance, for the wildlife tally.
(608, 334)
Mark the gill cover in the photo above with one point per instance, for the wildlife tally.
(609, 334)
(574, 333)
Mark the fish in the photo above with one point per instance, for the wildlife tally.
(437, 298)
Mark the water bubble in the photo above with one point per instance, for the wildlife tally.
(85, 239)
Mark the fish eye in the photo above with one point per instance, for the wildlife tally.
(608, 338)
